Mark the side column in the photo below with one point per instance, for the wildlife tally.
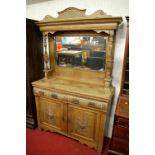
(46, 56)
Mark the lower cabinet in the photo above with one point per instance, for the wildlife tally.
(51, 114)
(81, 123)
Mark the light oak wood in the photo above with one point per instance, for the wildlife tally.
(75, 102)
(83, 123)
(52, 113)
(38, 111)
(101, 133)
(98, 22)
(51, 50)
(76, 88)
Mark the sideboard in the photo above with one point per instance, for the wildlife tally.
(76, 93)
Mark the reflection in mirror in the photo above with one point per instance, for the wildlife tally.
(84, 52)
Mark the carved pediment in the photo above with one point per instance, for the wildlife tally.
(76, 19)
(99, 13)
(71, 13)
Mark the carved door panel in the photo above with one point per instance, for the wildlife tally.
(83, 124)
(52, 114)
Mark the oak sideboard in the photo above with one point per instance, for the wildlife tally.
(76, 93)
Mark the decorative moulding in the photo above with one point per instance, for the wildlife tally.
(105, 31)
(72, 12)
(73, 19)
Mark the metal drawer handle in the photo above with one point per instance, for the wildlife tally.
(91, 104)
(41, 93)
(75, 101)
(54, 96)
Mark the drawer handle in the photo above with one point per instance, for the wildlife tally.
(54, 96)
(75, 101)
(91, 104)
(41, 93)
(126, 103)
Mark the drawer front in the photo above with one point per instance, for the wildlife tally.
(85, 102)
(121, 132)
(119, 121)
(123, 107)
(121, 146)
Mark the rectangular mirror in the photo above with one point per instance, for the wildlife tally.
(81, 51)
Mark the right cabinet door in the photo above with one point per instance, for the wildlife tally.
(83, 124)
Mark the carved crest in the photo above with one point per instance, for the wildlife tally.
(99, 13)
(73, 12)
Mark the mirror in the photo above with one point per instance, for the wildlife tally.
(83, 52)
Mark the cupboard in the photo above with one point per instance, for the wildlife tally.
(76, 93)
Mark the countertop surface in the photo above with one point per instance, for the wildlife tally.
(71, 86)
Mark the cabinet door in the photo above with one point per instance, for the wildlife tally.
(83, 124)
(52, 114)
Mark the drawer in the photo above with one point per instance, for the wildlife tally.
(65, 98)
(121, 146)
(119, 121)
(123, 107)
(121, 132)
(124, 102)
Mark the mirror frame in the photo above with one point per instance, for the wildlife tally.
(80, 33)
(73, 19)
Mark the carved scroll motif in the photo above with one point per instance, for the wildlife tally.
(81, 125)
(99, 13)
(50, 114)
(48, 18)
(73, 12)
(105, 31)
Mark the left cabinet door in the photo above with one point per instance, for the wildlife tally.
(51, 114)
